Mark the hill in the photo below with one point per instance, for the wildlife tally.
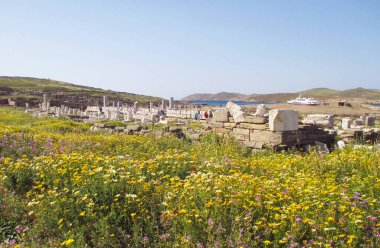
(319, 93)
(27, 89)
(221, 96)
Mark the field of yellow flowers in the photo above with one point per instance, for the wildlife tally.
(62, 186)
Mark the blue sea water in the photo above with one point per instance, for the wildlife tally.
(223, 103)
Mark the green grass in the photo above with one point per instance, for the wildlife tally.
(79, 189)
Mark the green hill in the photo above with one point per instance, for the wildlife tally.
(320, 92)
(34, 88)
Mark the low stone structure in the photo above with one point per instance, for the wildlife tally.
(319, 119)
(279, 130)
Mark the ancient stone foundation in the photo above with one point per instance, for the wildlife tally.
(278, 130)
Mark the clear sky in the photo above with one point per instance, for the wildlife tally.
(176, 48)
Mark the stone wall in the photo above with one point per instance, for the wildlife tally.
(279, 129)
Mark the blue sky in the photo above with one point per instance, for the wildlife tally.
(176, 48)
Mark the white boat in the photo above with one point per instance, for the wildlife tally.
(304, 101)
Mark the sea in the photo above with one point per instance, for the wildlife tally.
(223, 103)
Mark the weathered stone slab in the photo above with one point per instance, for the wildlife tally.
(242, 137)
(217, 124)
(252, 126)
(266, 137)
(358, 122)
(241, 131)
(320, 119)
(132, 128)
(293, 137)
(283, 120)
(229, 125)
(220, 115)
(119, 129)
(221, 130)
(256, 119)
(369, 121)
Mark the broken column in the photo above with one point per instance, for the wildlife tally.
(163, 104)
(44, 102)
(346, 123)
(105, 101)
(135, 107)
(261, 110)
(236, 112)
(171, 100)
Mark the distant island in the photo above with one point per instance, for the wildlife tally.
(359, 94)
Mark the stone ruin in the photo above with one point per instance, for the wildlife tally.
(282, 128)
(277, 129)
(117, 112)
(359, 129)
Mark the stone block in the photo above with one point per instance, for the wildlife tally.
(221, 130)
(229, 125)
(242, 137)
(132, 128)
(292, 137)
(220, 115)
(256, 119)
(217, 124)
(119, 129)
(175, 129)
(241, 131)
(254, 145)
(369, 121)
(236, 112)
(358, 122)
(346, 123)
(320, 119)
(266, 137)
(252, 126)
(283, 120)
